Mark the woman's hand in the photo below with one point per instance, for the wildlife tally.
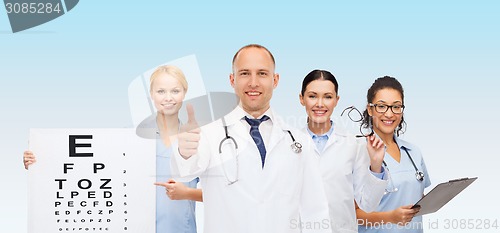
(175, 190)
(403, 214)
(376, 151)
(28, 159)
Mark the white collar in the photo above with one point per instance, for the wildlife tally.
(238, 114)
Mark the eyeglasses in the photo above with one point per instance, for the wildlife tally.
(382, 108)
(355, 115)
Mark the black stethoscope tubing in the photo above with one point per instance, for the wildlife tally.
(296, 146)
(419, 175)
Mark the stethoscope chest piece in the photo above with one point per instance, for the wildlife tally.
(419, 175)
(296, 147)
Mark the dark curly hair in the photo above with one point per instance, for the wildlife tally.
(379, 84)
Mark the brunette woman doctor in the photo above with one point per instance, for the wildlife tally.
(351, 167)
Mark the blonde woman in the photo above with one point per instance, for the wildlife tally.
(175, 211)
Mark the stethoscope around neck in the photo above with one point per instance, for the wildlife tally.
(419, 175)
(295, 146)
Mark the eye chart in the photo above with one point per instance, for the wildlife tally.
(91, 180)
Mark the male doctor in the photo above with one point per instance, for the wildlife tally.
(253, 179)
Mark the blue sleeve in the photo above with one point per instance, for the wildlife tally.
(427, 178)
(380, 175)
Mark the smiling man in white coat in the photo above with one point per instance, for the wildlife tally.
(257, 174)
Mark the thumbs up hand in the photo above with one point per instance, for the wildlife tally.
(189, 135)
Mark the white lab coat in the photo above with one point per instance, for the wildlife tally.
(345, 168)
(271, 199)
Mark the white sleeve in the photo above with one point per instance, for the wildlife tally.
(368, 189)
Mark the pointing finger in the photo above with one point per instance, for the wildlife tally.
(160, 184)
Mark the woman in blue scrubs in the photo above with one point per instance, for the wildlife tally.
(175, 211)
(175, 201)
(403, 161)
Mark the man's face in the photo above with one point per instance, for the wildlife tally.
(253, 80)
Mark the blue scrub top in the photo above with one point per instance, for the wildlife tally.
(176, 216)
(410, 190)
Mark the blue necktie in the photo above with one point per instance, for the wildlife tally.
(257, 138)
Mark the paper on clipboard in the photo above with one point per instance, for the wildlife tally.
(442, 194)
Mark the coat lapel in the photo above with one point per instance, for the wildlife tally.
(277, 134)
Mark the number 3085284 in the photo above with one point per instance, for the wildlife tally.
(32, 8)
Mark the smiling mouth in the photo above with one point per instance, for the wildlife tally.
(253, 93)
(168, 105)
(319, 112)
(386, 122)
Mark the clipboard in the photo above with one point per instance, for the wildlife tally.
(442, 194)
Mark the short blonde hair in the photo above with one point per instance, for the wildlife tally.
(173, 71)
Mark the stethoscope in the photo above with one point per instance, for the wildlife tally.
(295, 146)
(419, 175)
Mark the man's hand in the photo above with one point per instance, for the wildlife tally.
(189, 135)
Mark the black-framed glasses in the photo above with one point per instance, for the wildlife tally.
(382, 108)
(355, 115)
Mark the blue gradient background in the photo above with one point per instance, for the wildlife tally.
(75, 71)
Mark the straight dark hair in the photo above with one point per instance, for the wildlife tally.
(319, 75)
